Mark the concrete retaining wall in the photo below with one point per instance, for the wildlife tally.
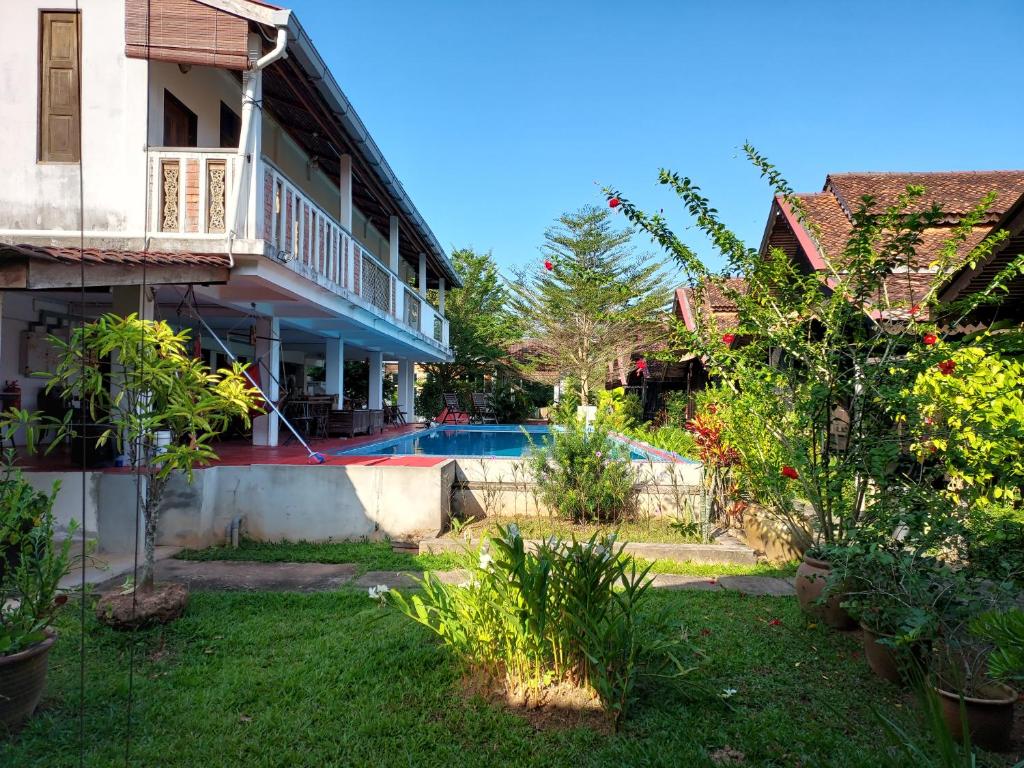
(313, 503)
(492, 487)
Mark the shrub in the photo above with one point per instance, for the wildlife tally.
(31, 563)
(668, 438)
(584, 475)
(511, 404)
(620, 411)
(567, 613)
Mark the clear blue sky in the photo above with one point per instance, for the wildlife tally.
(498, 116)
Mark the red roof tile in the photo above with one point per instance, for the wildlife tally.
(105, 256)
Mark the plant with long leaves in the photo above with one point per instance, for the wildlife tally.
(567, 612)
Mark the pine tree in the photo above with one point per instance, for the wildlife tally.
(595, 299)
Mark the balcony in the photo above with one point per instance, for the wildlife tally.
(191, 191)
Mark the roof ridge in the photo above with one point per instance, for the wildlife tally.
(1006, 171)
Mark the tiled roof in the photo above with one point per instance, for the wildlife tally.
(105, 256)
(955, 192)
(827, 217)
(713, 301)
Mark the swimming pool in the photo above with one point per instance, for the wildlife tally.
(488, 440)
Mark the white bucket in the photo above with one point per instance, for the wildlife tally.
(161, 441)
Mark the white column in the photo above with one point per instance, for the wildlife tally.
(375, 397)
(440, 295)
(268, 353)
(421, 278)
(405, 388)
(126, 299)
(393, 244)
(335, 364)
(345, 187)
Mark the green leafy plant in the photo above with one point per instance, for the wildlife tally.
(566, 613)
(1005, 631)
(812, 353)
(583, 475)
(619, 410)
(667, 437)
(31, 562)
(152, 384)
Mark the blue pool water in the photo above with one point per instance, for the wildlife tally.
(483, 441)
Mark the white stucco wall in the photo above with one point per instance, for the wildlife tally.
(37, 195)
(201, 89)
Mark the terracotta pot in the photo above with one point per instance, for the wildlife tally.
(22, 680)
(892, 664)
(989, 716)
(811, 578)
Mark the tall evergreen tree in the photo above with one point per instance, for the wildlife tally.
(595, 298)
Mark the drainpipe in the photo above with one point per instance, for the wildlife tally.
(252, 94)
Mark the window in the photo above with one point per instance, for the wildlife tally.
(230, 126)
(59, 108)
(180, 123)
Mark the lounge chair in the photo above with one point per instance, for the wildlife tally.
(483, 410)
(452, 413)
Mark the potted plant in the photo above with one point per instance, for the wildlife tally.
(981, 652)
(31, 567)
(152, 385)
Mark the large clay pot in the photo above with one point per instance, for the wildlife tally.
(892, 664)
(811, 578)
(22, 680)
(989, 715)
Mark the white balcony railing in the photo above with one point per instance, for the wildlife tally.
(190, 190)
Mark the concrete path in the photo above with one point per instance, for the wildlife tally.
(105, 569)
(221, 575)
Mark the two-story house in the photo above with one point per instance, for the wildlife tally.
(173, 157)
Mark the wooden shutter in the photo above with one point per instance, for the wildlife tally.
(59, 110)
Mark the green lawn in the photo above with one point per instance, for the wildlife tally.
(648, 529)
(333, 679)
(378, 556)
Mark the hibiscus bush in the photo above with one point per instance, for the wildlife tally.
(823, 359)
(565, 613)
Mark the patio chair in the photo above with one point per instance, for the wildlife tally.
(452, 413)
(483, 409)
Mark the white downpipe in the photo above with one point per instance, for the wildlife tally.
(252, 87)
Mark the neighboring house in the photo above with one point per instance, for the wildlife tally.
(831, 210)
(199, 153)
(823, 236)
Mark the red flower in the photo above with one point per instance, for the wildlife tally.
(613, 203)
(729, 338)
(929, 339)
(775, 623)
(641, 364)
(788, 471)
(915, 309)
(548, 265)
(946, 367)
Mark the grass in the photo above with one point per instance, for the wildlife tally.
(332, 679)
(651, 529)
(367, 555)
(378, 556)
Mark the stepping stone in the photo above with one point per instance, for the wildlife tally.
(758, 585)
(407, 579)
(257, 577)
(679, 581)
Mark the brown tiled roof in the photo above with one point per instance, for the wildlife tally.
(955, 192)
(827, 217)
(105, 256)
(713, 301)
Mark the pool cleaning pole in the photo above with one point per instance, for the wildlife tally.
(313, 455)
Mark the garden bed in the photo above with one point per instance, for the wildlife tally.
(261, 680)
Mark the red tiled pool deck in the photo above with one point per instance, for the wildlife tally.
(240, 453)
